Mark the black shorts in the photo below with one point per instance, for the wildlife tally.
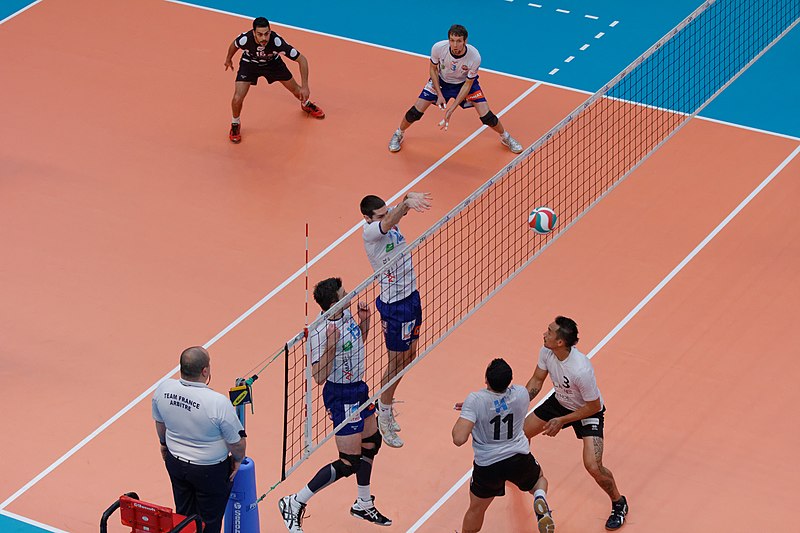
(489, 481)
(591, 426)
(274, 70)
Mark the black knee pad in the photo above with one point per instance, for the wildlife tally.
(413, 114)
(374, 439)
(346, 470)
(490, 119)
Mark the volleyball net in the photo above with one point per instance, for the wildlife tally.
(482, 243)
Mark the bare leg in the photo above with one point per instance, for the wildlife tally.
(421, 105)
(239, 93)
(482, 108)
(293, 87)
(593, 461)
(533, 426)
(473, 518)
(397, 362)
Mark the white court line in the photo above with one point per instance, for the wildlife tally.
(553, 71)
(614, 23)
(599, 35)
(11, 16)
(591, 17)
(611, 334)
(562, 11)
(584, 47)
(570, 58)
(257, 305)
(535, 5)
(31, 522)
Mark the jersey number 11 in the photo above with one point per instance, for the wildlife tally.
(497, 422)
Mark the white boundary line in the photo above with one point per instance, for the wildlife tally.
(11, 16)
(258, 304)
(28, 521)
(652, 294)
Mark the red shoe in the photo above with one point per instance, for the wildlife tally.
(235, 135)
(312, 109)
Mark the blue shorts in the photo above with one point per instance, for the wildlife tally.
(342, 400)
(451, 90)
(401, 321)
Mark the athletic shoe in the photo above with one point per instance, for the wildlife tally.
(387, 432)
(543, 515)
(511, 143)
(397, 140)
(292, 512)
(312, 109)
(235, 134)
(370, 515)
(395, 425)
(619, 509)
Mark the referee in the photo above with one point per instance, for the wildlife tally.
(198, 428)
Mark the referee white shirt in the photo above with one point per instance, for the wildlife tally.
(199, 421)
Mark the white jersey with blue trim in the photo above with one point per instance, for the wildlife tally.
(498, 419)
(348, 363)
(455, 69)
(398, 281)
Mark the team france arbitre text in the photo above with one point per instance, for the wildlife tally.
(180, 401)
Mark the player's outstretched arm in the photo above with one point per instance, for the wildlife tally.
(305, 91)
(229, 58)
(364, 314)
(418, 201)
(322, 368)
(535, 383)
(433, 72)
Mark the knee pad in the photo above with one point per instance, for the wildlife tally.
(346, 470)
(413, 114)
(490, 119)
(376, 440)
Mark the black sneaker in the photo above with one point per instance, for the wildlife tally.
(619, 509)
(370, 515)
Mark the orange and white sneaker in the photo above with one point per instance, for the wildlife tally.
(235, 134)
(312, 109)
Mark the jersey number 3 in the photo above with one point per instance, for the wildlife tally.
(497, 422)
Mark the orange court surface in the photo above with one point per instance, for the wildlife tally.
(132, 228)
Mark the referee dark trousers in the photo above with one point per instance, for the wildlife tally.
(200, 489)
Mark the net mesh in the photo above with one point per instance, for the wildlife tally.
(485, 240)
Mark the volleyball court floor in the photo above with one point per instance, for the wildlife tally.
(132, 228)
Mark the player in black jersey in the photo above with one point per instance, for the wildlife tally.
(261, 48)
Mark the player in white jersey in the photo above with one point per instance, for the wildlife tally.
(399, 302)
(337, 356)
(576, 403)
(453, 76)
(494, 416)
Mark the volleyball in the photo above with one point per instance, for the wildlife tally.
(542, 220)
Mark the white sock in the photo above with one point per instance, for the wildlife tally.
(235, 120)
(539, 493)
(364, 497)
(304, 495)
(383, 409)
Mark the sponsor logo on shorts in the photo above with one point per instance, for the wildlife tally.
(407, 330)
(477, 95)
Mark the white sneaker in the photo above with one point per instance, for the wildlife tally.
(388, 433)
(395, 425)
(543, 515)
(397, 140)
(292, 512)
(511, 143)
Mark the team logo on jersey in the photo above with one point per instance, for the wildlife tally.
(464, 68)
(389, 247)
(347, 346)
(500, 405)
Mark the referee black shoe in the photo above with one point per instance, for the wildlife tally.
(370, 515)
(619, 510)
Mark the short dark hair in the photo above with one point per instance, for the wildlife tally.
(498, 375)
(326, 292)
(260, 22)
(193, 361)
(457, 30)
(370, 204)
(567, 330)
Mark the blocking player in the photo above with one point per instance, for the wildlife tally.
(337, 355)
(453, 76)
(399, 302)
(576, 403)
(494, 416)
(261, 48)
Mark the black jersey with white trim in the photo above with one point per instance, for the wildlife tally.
(252, 52)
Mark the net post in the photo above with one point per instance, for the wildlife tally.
(308, 407)
(285, 408)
